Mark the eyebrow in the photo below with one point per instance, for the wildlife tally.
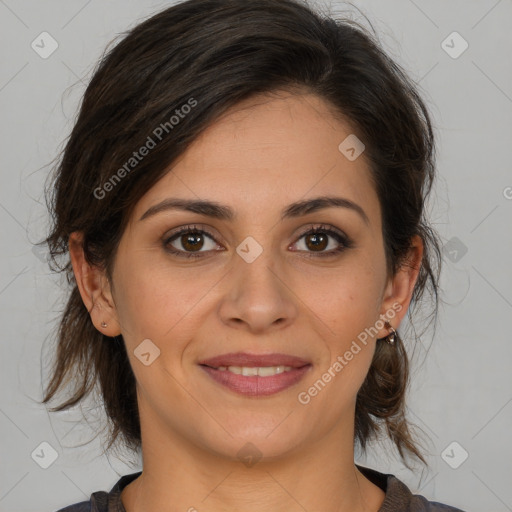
(222, 212)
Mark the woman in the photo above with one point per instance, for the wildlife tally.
(242, 200)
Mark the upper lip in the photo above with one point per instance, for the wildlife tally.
(254, 360)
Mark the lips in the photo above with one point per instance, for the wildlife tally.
(244, 359)
(275, 372)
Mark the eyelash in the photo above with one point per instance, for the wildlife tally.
(338, 236)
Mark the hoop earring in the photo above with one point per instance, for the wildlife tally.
(390, 338)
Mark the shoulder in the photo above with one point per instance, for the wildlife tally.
(83, 506)
(399, 498)
(421, 504)
(103, 501)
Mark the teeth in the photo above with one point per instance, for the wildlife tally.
(265, 371)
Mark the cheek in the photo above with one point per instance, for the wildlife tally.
(160, 308)
(349, 345)
(348, 305)
(153, 302)
(345, 299)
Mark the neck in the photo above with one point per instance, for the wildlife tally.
(180, 475)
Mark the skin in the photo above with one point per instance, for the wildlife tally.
(260, 157)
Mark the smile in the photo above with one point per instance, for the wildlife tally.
(256, 381)
(260, 371)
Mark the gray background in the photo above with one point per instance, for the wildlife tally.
(462, 389)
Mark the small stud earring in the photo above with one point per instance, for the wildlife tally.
(103, 324)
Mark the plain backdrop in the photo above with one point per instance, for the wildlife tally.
(461, 395)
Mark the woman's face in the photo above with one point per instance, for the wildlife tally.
(255, 283)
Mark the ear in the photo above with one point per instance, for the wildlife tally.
(398, 293)
(94, 288)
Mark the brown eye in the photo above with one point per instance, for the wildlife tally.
(318, 239)
(192, 241)
(189, 242)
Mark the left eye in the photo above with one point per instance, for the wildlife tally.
(317, 240)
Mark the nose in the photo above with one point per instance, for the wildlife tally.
(259, 296)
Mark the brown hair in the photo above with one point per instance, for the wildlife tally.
(212, 54)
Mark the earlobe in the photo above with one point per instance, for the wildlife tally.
(401, 286)
(94, 288)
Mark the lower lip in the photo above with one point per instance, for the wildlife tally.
(255, 385)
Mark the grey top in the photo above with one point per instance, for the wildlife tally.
(398, 497)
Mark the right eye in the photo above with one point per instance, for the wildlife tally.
(191, 239)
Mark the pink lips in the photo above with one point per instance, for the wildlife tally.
(256, 385)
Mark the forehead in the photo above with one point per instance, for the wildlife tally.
(266, 152)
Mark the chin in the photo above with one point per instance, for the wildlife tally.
(250, 444)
